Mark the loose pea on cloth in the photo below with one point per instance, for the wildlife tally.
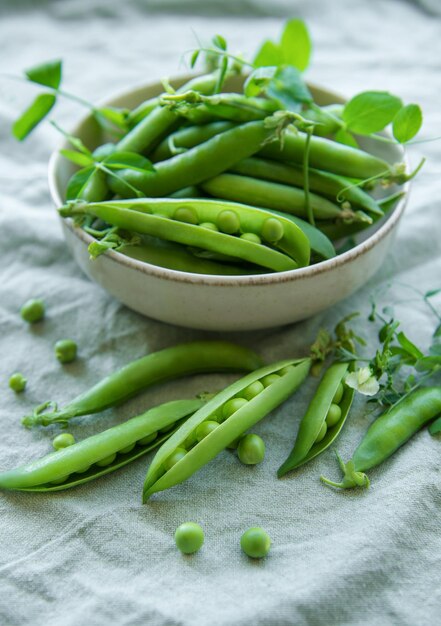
(96, 556)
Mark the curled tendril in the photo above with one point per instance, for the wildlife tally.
(351, 478)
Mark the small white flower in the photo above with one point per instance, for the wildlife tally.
(363, 381)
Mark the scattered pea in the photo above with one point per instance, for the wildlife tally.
(269, 380)
(232, 406)
(253, 390)
(147, 439)
(251, 449)
(32, 311)
(66, 350)
(186, 214)
(63, 441)
(189, 537)
(17, 382)
(177, 455)
(251, 237)
(338, 394)
(333, 415)
(322, 432)
(106, 461)
(228, 222)
(255, 542)
(205, 428)
(272, 230)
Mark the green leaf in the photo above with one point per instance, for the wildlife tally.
(194, 58)
(296, 44)
(437, 332)
(289, 89)
(219, 42)
(74, 141)
(435, 427)
(77, 157)
(78, 182)
(114, 115)
(428, 363)
(47, 74)
(410, 347)
(33, 115)
(128, 160)
(346, 138)
(258, 80)
(432, 293)
(407, 123)
(269, 53)
(370, 111)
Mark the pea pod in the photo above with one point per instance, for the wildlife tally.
(314, 434)
(189, 137)
(168, 364)
(238, 408)
(388, 433)
(329, 156)
(231, 229)
(100, 454)
(197, 164)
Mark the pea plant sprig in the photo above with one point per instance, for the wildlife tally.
(49, 76)
(399, 366)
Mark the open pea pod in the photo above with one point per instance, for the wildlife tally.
(102, 453)
(323, 420)
(237, 230)
(228, 415)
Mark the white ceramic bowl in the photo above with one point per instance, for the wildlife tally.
(225, 302)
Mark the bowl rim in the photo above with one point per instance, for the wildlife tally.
(216, 279)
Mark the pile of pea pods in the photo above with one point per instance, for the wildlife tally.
(189, 433)
(207, 182)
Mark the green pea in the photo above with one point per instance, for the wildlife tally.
(233, 445)
(333, 416)
(177, 455)
(66, 350)
(191, 440)
(63, 441)
(32, 311)
(83, 470)
(166, 429)
(286, 370)
(228, 222)
(209, 226)
(189, 537)
(253, 390)
(322, 432)
(338, 394)
(107, 460)
(251, 449)
(147, 439)
(205, 428)
(251, 237)
(255, 542)
(127, 449)
(59, 481)
(232, 406)
(272, 230)
(186, 214)
(269, 380)
(17, 382)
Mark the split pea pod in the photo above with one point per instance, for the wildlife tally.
(335, 187)
(269, 195)
(323, 420)
(329, 156)
(221, 421)
(197, 164)
(157, 367)
(189, 137)
(388, 433)
(152, 128)
(102, 453)
(235, 230)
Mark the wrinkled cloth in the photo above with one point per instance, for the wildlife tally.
(94, 555)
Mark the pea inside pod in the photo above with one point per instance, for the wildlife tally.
(198, 453)
(323, 420)
(100, 454)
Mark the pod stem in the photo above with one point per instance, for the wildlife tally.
(40, 418)
(351, 478)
